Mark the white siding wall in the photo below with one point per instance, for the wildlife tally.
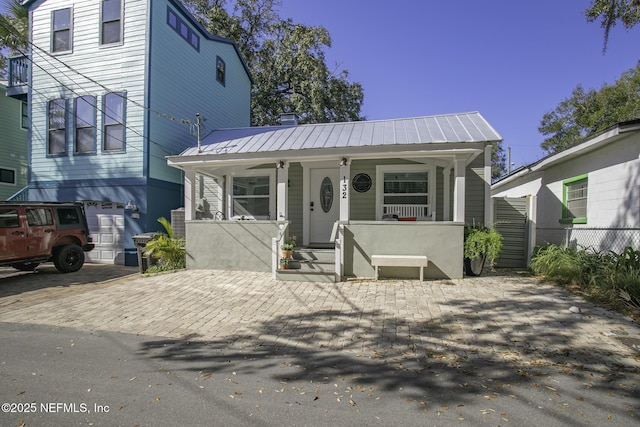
(183, 83)
(94, 70)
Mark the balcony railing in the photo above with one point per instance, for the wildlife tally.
(18, 85)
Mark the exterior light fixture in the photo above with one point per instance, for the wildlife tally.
(280, 164)
(343, 161)
(131, 207)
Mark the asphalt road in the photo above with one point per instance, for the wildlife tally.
(59, 376)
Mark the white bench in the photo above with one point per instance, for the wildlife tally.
(400, 261)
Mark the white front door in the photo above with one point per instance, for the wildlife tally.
(324, 204)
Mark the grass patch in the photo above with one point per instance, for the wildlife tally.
(608, 279)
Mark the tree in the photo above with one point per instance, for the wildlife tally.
(13, 32)
(587, 112)
(287, 62)
(498, 161)
(612, 11)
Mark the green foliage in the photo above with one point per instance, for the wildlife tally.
(13, 31)
(287, 63)
(168, 249)
(587, 112)
(479, 241)
(610, 12)
(609, 276)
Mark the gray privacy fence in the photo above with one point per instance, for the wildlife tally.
(597, 238)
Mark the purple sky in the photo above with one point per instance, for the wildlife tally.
(510, 60)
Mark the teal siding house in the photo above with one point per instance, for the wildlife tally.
(114, 87)
(13, 144)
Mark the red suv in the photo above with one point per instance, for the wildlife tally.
(35, 232)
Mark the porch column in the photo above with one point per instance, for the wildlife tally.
(488, 211)
(459, 190)
(345, 178)
(446, 200)
(189, 194)
(282, 191)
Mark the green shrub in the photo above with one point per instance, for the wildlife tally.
(479, 241)
(168, 249)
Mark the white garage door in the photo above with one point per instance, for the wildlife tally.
(106, 225)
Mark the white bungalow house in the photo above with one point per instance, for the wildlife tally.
(399, 189)
(587, 195)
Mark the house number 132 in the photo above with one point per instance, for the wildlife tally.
(345, 183)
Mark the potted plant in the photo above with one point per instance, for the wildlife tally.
(287, 247)
(480, 244)
(284, 263)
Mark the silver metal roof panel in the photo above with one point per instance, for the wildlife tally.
(449, 128)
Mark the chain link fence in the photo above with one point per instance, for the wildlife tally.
(597, 238)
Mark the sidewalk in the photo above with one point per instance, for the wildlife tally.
(498, 318)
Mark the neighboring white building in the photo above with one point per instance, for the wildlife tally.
(588, 195)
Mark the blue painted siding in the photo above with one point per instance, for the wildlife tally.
(182, 83)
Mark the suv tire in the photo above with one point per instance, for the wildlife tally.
(68, 258)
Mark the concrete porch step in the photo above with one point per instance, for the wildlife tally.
(310, 265)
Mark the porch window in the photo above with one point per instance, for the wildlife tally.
(111, 22)
(251, 197)
(85, 116)
(57, 133)
(61, 30)
(113, 115)
(574, 209)
(405, 191)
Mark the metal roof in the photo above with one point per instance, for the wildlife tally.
(448, 128)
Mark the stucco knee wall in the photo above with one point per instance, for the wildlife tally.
(230, 245)
(441, 242)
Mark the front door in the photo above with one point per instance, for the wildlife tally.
(324, 204)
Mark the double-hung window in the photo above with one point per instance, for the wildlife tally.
(574, 200)
(252, 196)
(57, 132)
(62, 30)
(220, 70)
(111, 22)
(24, 116)
(405, 191)
(85, 124)
(113, 122)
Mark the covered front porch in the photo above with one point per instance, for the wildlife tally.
(341, 204)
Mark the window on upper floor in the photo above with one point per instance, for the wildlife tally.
(7, 176)
(57, 131)
(113, 122)
(181, 27)
(24, 116)
(220, 70)
(85, 124)
(61, 30)
(574, 200)
(111, 22)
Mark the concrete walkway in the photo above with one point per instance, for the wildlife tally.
(503, 317)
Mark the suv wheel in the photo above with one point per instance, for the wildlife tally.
(68, 258)
(26, 266)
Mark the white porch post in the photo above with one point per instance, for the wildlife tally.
(459, 190)
(345, 174)
(282, 191)
(189, 194)
(488, 210)
(446, 199)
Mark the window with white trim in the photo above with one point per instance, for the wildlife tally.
(111, 22)
(57, 132)
(405, 191)
(61, 30)
(113, 119)
(574, 198)
(252, 196)
(85, 124)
